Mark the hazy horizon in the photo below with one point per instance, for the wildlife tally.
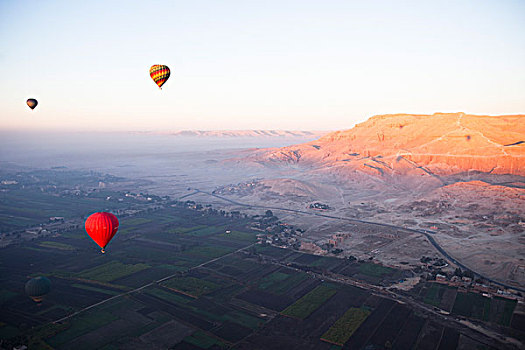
(102, 150)
(162, 131)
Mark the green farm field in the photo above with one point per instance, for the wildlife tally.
(192, 286)
(303, 307)
(344, 327)
(112, 271)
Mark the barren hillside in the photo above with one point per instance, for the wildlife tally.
(436, 145)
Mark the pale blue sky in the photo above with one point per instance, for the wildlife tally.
(256, 64)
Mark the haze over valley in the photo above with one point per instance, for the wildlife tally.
(459, 176)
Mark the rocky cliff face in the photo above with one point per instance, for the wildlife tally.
(434, 145)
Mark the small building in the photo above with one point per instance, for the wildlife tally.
(319, 206)
(9, 182)
(441, 278)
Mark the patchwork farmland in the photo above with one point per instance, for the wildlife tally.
(173, 278)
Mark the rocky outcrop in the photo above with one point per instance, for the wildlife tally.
(435, 145)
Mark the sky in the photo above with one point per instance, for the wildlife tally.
(296, 65)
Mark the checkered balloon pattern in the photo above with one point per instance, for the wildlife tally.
(159, 73)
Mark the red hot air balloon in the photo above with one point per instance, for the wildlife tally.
(101, 227)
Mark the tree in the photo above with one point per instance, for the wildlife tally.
(269, 213)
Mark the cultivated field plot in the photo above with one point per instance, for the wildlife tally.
(440, 295)
(345, 326)
(372, 273)
(364, 271)
(111, 271)
(497, 310)
(303, 307)
(191, 286)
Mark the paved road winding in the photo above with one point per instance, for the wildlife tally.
(426, 233)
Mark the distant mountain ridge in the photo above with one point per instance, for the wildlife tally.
(438, 144)
(248, 133)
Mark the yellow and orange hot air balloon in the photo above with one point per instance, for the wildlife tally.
(160, 74)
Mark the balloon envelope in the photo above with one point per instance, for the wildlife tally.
(159, 73)
(101, 227)
(32, 103)
(37, 287)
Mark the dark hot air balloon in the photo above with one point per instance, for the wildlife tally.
(101, 227)
(32, 103)
(160, 74)
(36, 288)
